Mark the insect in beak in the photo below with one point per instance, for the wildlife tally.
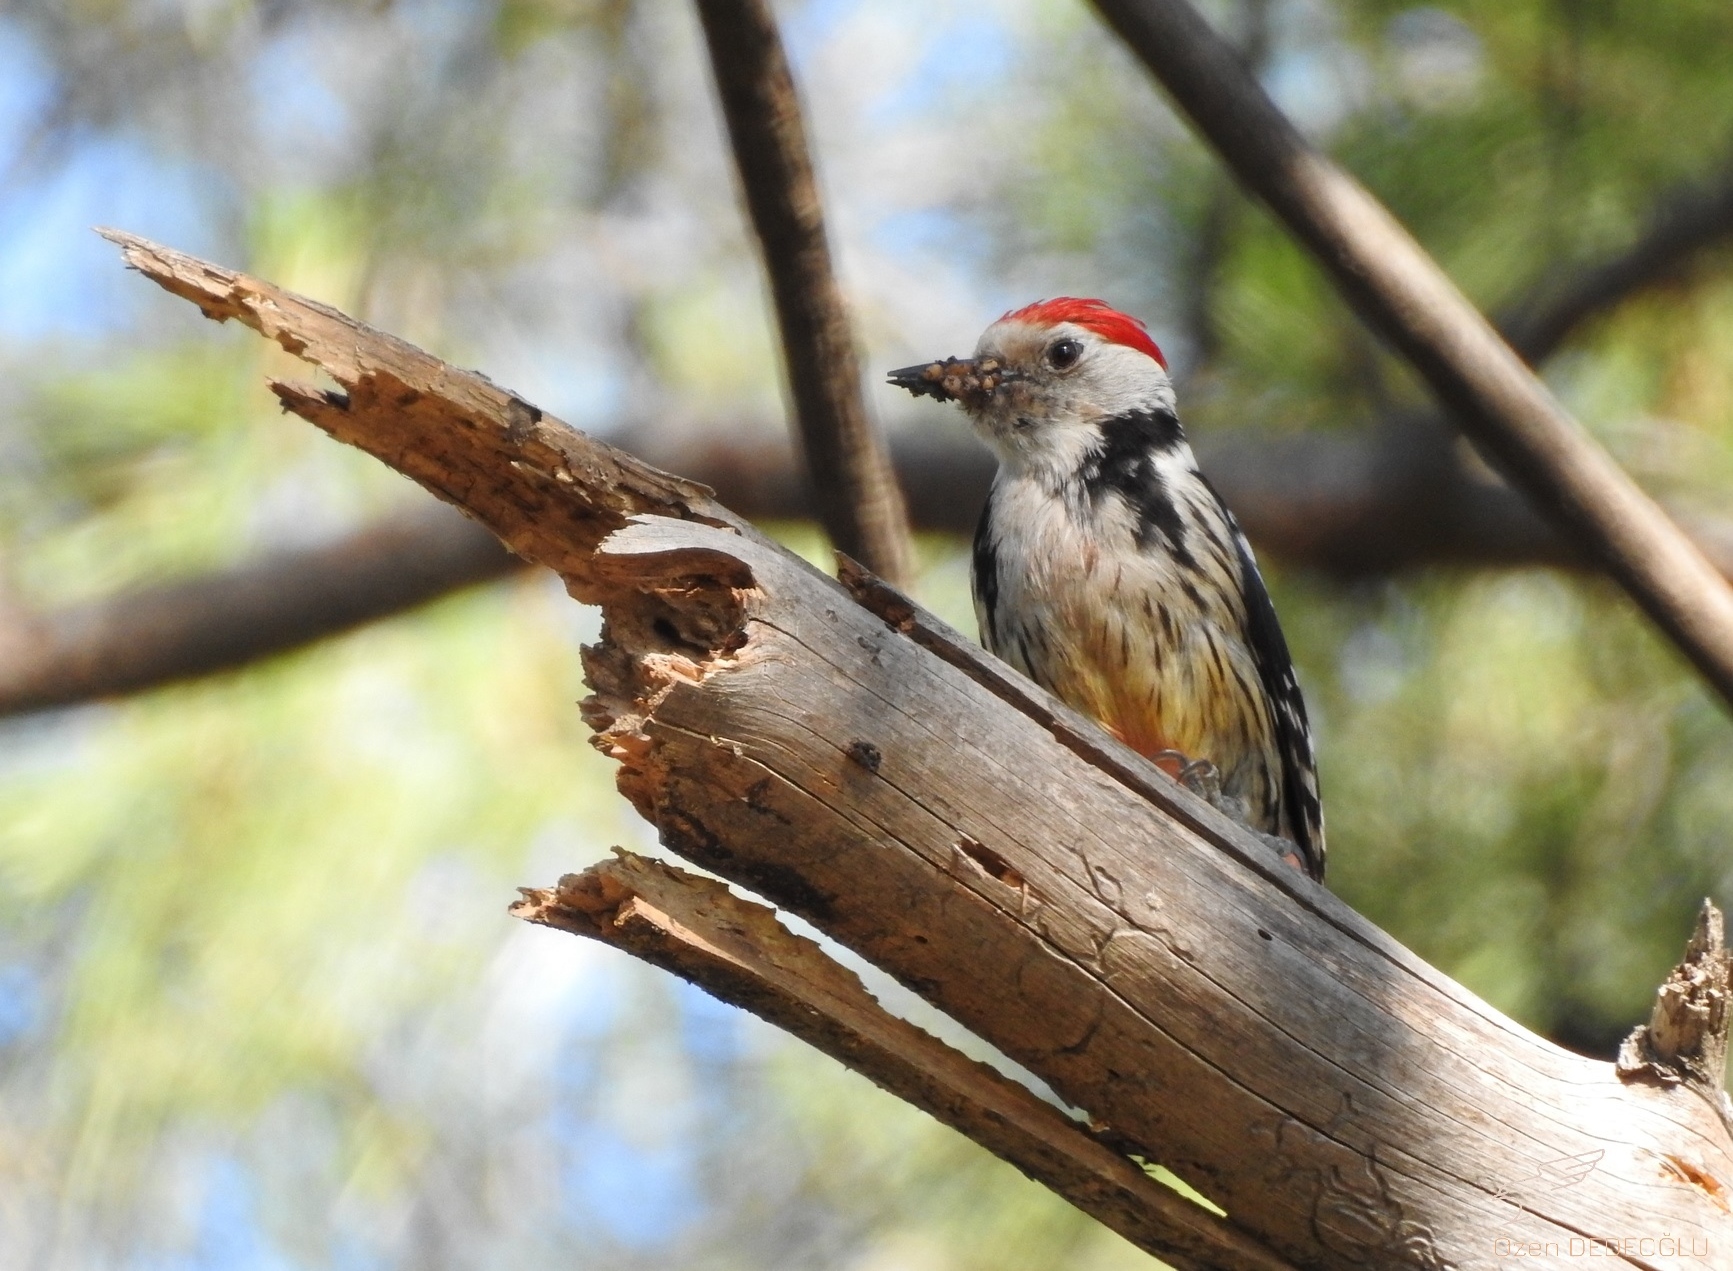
(970, 380)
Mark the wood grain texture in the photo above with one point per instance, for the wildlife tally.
(1347, 1105)
(738, 951)
(1238, 1024)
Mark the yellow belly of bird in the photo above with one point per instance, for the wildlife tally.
(1196, 695)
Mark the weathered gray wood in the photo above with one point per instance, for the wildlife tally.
(1279, 1063)
(1348, 1105)
(1685, 1040)
(738, 951)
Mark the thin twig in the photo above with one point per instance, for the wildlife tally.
(859, 503)
(1402, 294)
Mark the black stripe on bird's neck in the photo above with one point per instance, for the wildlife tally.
(1125, 464)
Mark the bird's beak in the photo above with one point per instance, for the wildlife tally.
(969, 380)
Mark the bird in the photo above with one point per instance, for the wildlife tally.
(1107, 569)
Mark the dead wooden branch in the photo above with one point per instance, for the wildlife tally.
(1335, 1096)
(1347, 1105)
(1685, 1040)
(857, 498)
(395, 396)
(738, 951)
(1404, 297)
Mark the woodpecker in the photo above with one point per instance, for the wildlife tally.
(1108, 570)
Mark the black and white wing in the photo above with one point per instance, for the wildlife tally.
(1302, 807)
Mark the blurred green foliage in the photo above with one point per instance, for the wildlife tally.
(259, 1001)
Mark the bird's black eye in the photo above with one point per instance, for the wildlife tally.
(1062, 355)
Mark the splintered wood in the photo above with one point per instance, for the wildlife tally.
(1346, 1104)
(1685, 1040)
(1110, 949)
(739, 952)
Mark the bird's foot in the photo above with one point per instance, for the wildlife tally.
(1290, 854)
(1202, 778)
(1172, 762)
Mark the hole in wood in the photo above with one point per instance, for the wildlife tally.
(990, 861)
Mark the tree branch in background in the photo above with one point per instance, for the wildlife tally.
(739, 952)
(858, 501)
(1389, 497)
(1399, 494)
(1401, 293)
(1681, 225)
(156, 635)
(1223, 203)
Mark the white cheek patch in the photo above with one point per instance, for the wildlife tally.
(1046, 425)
